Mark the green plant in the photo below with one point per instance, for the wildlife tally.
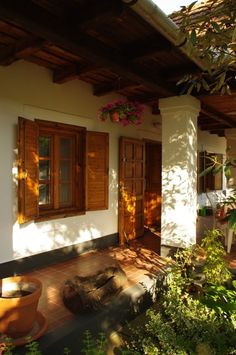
(94, 346)
(7, 347)
(180, 323)
(221, 299)
(215, 267)
(31, 348)
(209, 31)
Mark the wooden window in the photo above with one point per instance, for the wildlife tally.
(209, 182)
(52, 176)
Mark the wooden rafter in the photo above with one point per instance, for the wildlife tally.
(219, 133)
(115, 85)
(71, 72)
(212, 126)
(85, 39)
(80, 44)
(217, 116)
(100, 12)
(21, 50)
(141, 49)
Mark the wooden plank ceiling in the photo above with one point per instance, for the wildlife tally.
(104, 43)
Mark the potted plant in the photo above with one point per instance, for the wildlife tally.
(122, 111)
(19, 297)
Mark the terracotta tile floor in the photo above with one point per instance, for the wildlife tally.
(139, 259)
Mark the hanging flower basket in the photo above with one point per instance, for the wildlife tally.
(122, 111)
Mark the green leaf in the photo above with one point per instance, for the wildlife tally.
(193, 37)
(206, 171)
(217, 169)
(232, 219)
(216, 26)
(205, 85)
(183, 80)
(227, 172)
(190, 89)
(191, 5)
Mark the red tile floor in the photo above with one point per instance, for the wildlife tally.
(140, 258)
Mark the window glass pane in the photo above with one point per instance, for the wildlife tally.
(44, 194)
(65, 170)
(44, 146)
(44, 170)
(65, 194)
(65, 147)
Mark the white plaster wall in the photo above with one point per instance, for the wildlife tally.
(212, 144)
(27, 90)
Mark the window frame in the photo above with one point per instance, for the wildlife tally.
(78, 134)
(209, 181)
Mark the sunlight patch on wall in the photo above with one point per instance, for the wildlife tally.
(42, 237)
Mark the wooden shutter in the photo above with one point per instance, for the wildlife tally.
(201, 167)
(27, 170)
(97, 153)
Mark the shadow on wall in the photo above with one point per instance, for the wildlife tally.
(179, 178)
(9, 200)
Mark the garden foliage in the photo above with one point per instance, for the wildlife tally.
(195, 312)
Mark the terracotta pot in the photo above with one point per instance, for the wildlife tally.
(115, 117)
(17, 314)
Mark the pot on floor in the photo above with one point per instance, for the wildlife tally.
(19, 297)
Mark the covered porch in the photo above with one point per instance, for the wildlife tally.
(59, 66)
(140, 260)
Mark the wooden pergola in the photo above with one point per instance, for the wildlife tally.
(108, 45)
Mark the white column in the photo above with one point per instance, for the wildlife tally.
(179, 170)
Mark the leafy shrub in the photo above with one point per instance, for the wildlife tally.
(191, 317)
(215, 267)
(94, 346)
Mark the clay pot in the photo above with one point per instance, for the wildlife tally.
(115, 117)
(19, 297)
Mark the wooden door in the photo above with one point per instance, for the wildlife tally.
(131, 189)
(152, 210)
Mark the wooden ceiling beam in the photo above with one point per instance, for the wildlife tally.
(71, 72)
(218, 116)
(115, 85)
(145, 98)
(212, 126)
(152, 45)
(100, 12)
(174, 74)
(21, 50)
(219, 133)
(80, 44)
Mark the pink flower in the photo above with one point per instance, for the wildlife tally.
(129, 112)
